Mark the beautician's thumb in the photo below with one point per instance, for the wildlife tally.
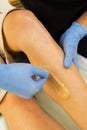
(39, 84)
(67, 61)
(70, 58)
(40, 72)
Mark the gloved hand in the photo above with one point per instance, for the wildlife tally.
(17, 78)
(69, 42)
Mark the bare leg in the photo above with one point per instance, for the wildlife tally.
(24, 114)
(34, 40)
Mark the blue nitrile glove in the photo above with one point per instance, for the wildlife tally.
(69, 42)
(17, 78)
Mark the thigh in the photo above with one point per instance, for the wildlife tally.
(26, 114)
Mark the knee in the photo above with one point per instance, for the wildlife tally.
(20, 27)
(20, 16)
(19, 20)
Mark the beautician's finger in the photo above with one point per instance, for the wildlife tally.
(40, 72)
(39, 84)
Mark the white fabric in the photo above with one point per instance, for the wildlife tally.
(3, 125)
(5, 6)
(83, 66)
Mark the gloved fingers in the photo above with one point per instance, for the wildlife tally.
(67, 61)
(25, 94)
(38, 85)
(68, 58)
(35, 88)
(39, 72)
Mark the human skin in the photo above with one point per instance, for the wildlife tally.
(83, 19)
(25, 114)
(30, 36)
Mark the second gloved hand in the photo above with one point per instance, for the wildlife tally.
(69, 42)
(17, 78)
